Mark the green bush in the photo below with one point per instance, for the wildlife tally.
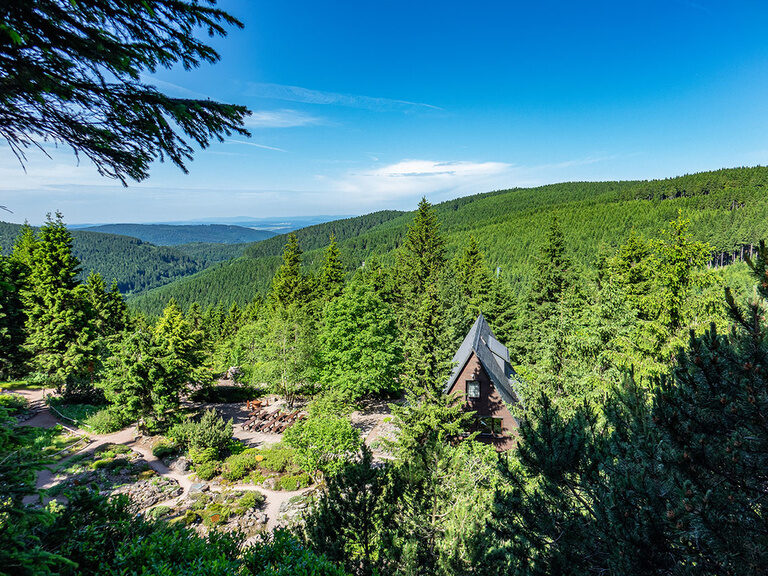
(256, 477)
(211, 432)
(293, 482)
(215, 514)
(159, 512)
(110, 464)
(163, 448)
(237, 466)
(14, 403)
(208, 470)
(277, 458)
(250, 500)
(202, 456)
(113, 448)
(105, 421)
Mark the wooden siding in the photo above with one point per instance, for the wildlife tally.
(489, 405)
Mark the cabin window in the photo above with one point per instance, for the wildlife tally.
(473, 389)
(490, 425)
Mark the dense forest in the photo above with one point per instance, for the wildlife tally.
(174, 234)
(134, 264)
(624, 373)
(726, 209)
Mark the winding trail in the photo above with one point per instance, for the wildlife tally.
(44, 418)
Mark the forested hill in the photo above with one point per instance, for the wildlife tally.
(136, 265)
(726, 207)
(172, 235)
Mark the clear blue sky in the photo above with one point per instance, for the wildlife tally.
(360, 106)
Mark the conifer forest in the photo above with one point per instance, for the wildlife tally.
(564, 378)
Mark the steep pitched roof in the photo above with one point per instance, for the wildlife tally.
(493, 356)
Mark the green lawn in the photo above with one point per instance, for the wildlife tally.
(21, 385)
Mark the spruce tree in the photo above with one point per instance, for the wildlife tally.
(13, 356)
(288, 285)
(473, 277)
(422, 254)
(181, 349)
(332, 275)
(61, 338)
(109, 310)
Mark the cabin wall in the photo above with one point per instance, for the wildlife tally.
(489, 404)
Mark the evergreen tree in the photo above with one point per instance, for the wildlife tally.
(427, 354)
(422, 254)
(181, 349)
(288, 285)
(473, 277)
(12, 319)
(332, 274)
(109, 309)
(61, 339)
(352, 522)
(360, 351)
(232, 322)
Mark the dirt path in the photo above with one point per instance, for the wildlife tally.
(128, 437)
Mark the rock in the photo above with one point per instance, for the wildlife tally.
(198, 488)
(180, 465)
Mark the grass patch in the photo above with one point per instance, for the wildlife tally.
(22, 385)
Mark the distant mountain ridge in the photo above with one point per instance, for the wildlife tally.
(135, 265)
(727, 208)
(173, 235)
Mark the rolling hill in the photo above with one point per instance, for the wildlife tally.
(136, 265)
(172, 235)
(727, 208)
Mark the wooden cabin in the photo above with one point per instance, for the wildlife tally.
(484, 377)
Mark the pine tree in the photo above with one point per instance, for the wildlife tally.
(422, 254)
(61, 338)
(117, 310)
(181, 349)
(473, 277)
(427, 355)
(12, 319)
(101, 305)
(288, 285)
(332, 274)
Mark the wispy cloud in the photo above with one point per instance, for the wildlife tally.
(284, 118)
(262, 146)
(309, 96)
(694, 5)
(413, 178)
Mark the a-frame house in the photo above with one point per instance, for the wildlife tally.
(484, 377)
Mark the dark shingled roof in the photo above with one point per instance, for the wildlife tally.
(493, 356)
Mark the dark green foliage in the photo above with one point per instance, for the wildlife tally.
(61, 338)
(331, 280)
(352, 522)
(672, 482)
(13, 319)
(290, 287)
(421, 256)
(175, 234)
(726, 209)
(211, 433)
(72, 75)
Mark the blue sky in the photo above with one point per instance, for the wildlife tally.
(361, 106)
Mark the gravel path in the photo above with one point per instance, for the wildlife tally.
(129, 437)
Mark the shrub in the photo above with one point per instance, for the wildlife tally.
(238, 465)
(323, 443)
(277, 458)
(256, 477)
(146, 474)
(211, 432)
(208, 470)
(215, 514)
(113, 448)
(163, 448)
(159, 512)
(293, 482)
(202, 456)
(110, 464)
(14, 403)
(250, 500)
(105, 421)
